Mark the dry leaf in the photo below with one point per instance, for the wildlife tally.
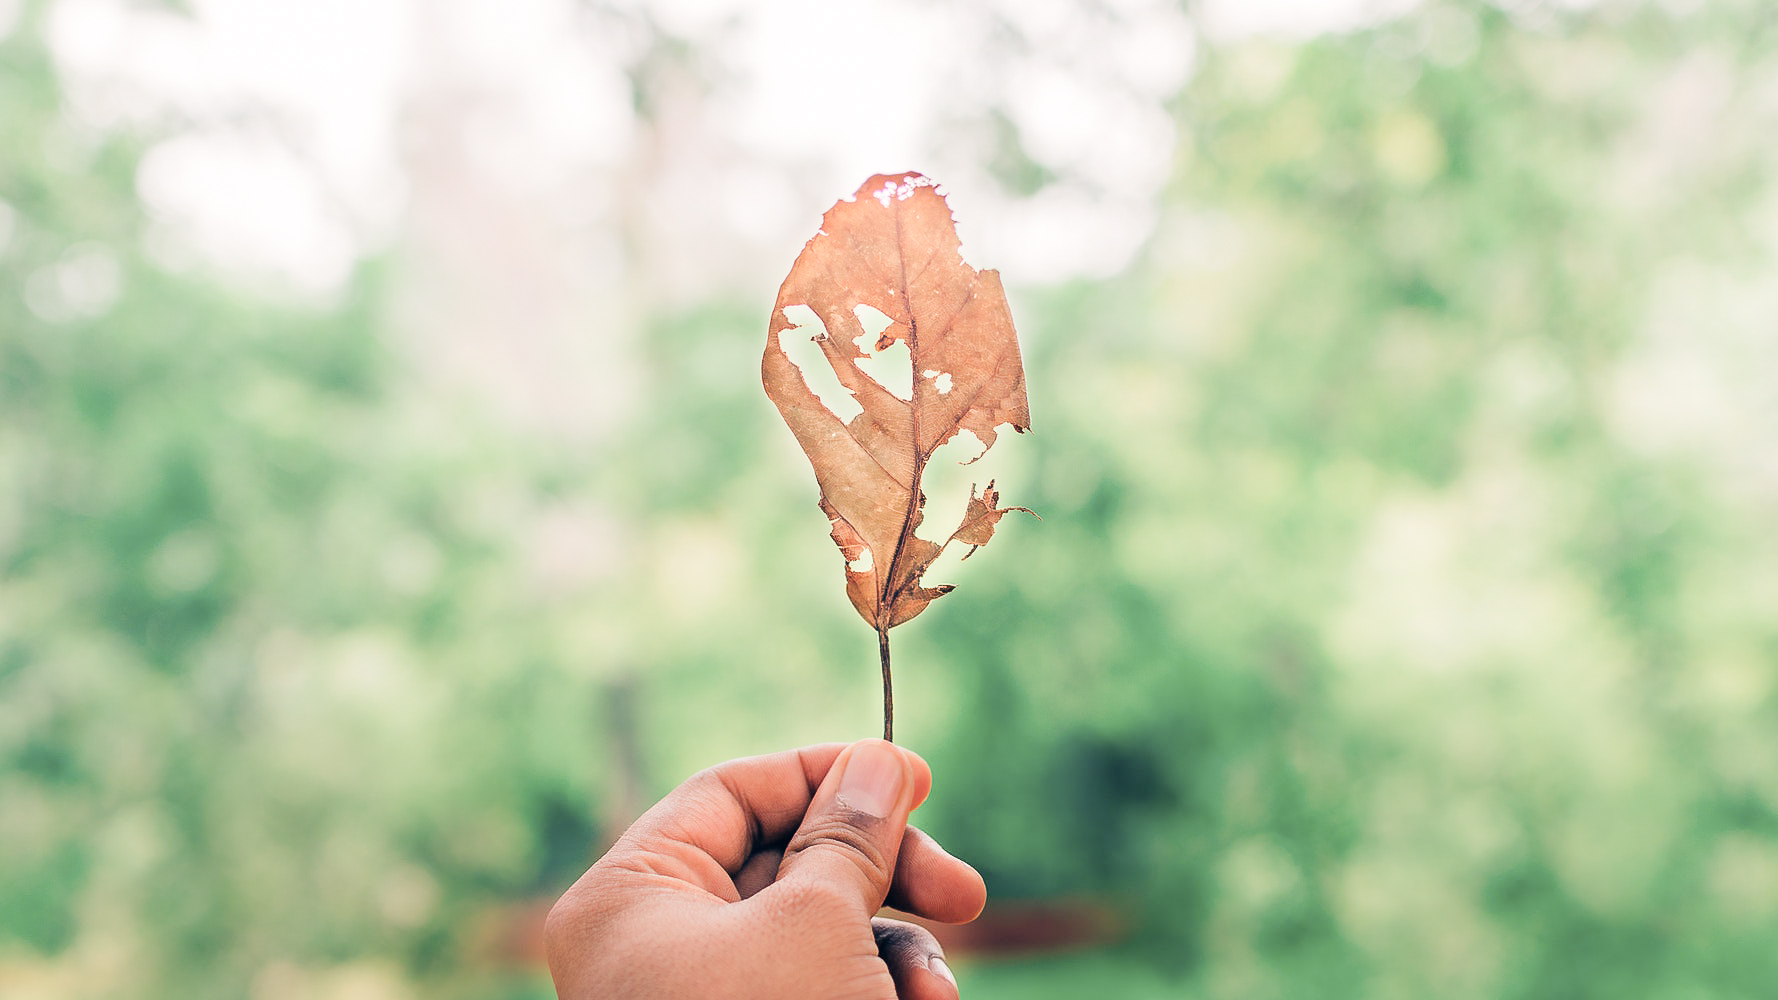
(981, 517)
(890, 255)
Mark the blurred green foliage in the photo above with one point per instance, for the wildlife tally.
(1371, 644)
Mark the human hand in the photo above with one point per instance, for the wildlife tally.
(760, 878)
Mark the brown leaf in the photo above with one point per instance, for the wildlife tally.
(893, 248)
(981, 517)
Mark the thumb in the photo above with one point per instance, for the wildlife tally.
(852, 832)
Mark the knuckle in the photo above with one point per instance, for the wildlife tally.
(849, 835)
(581, 914)
(572, 921)
(563, 918)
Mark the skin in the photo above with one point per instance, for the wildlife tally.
(761, 878)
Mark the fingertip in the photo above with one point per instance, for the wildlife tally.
(961, 897)
(875, 777)
(935, 884)
(937, 965)
(922, 777)
(915, 959)
(915, 768)
(974, 896)
(921, 771)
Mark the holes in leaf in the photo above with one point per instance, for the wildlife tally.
(874, 320)
(798, 344)
(889, 365)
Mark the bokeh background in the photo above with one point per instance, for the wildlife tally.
(389, 508)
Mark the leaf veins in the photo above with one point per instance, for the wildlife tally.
(890, 253)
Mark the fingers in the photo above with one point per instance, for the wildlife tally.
(759, 871)
(931, 883)
(915, 960)
(928, 883)
(851, 838)
(709, 826)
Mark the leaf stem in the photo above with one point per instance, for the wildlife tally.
(888, 686)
